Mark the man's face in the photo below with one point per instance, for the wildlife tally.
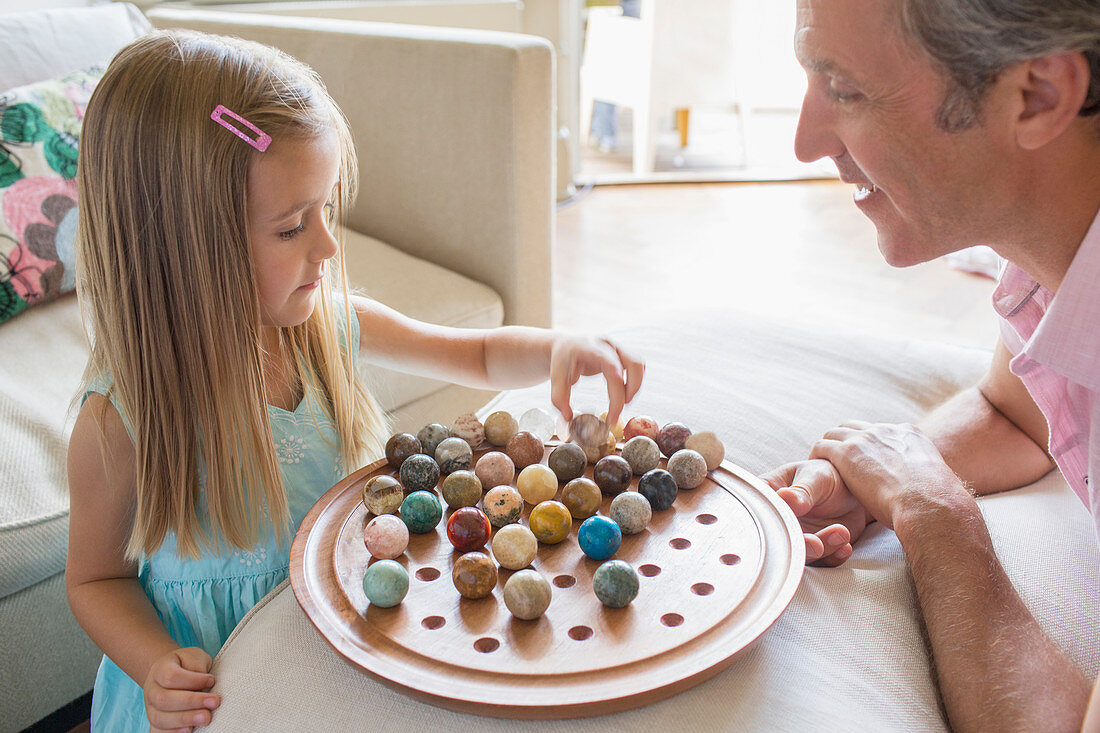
(871, 106)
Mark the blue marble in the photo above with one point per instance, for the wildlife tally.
(421, 511)
(419, 472)
(599, 537)
(615, 583)
(386, 582)
(659, 487)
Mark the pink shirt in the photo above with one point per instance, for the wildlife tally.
(1056, 341)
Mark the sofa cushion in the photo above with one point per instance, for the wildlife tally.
(48, 353)
(847, 654)
(31, 42)
(39, 134)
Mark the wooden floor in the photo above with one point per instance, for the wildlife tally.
(798, 251)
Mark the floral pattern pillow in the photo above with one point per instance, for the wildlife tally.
(39, 133)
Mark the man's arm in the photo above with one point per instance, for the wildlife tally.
(993, 436)
(997, 670)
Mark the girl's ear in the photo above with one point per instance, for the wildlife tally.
(1052, 90)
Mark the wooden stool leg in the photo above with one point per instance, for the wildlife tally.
(682, 125)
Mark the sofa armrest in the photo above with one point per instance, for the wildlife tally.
(454, 130)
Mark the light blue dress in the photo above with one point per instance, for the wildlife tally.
(201, 601)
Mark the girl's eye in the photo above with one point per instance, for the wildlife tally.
(330, 213)
(292, 233)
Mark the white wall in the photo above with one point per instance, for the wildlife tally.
(15, 6)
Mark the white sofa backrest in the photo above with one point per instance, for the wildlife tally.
(40, 44)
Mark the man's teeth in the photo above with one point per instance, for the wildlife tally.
(865, 189)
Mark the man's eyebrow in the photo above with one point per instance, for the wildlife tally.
(299, 206)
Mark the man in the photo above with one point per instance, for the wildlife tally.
(965, 122)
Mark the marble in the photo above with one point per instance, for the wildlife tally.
(550, 522)
(581, 497)
(631, 511)
(539, 423)
(419, 472)
(383, 494)
(385, 583)
(527, 594)
(642, 453)
(468, 529)
(640, 425)
(453, 454)
(461, 488)
(495, 469)
(470, 429)
(688, 468)
(659, 487)
(671, 437)
(615, 583)
(401, 446)
(567, 461)
(515, 546)
(474, 575)
(524, 449)
(537, 483)
(503, 505)
(612, 474)
(421, 511)
(500, 427)
(386, 537)
(708, 446)
(617, 429)
(599, 537)
(592, 435)
(431, 435)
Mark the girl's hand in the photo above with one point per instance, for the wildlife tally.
(574, 357)
(175, 690)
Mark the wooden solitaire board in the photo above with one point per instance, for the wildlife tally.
(716, 570)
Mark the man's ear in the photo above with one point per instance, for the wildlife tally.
(1053, 89)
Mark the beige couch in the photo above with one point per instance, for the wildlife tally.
(454, 130)
(848, 654)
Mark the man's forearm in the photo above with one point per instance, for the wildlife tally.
(982, 446)
(997, 669)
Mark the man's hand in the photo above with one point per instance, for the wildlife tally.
(887, 468)
(176, 696)
(831, 518)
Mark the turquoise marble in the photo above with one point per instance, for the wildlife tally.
(599, 537)
(386, 582)
(421, 511)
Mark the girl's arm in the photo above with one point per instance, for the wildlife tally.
(496, 358)
(102, 585)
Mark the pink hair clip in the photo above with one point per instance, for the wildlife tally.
(262, 138)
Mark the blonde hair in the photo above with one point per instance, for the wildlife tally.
(166, 285)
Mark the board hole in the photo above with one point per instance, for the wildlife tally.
(565, 581)
(433, 622)
(427, 574)
(672, 619)
(486, 644)
(706, 519)
(580, 633)
(702, 589)
(649, 570)
(730, 559)
(679, 543)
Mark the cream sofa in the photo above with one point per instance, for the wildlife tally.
(453, 225)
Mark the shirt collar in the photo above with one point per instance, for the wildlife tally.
(1067, 338)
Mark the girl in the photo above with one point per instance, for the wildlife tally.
(211, 174)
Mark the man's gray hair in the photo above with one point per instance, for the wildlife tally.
(975, 40)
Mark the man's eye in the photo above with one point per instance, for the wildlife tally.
(292, 233)
(841, 92)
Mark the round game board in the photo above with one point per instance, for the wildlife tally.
(716, 570)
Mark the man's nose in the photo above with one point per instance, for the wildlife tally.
(815, 137)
